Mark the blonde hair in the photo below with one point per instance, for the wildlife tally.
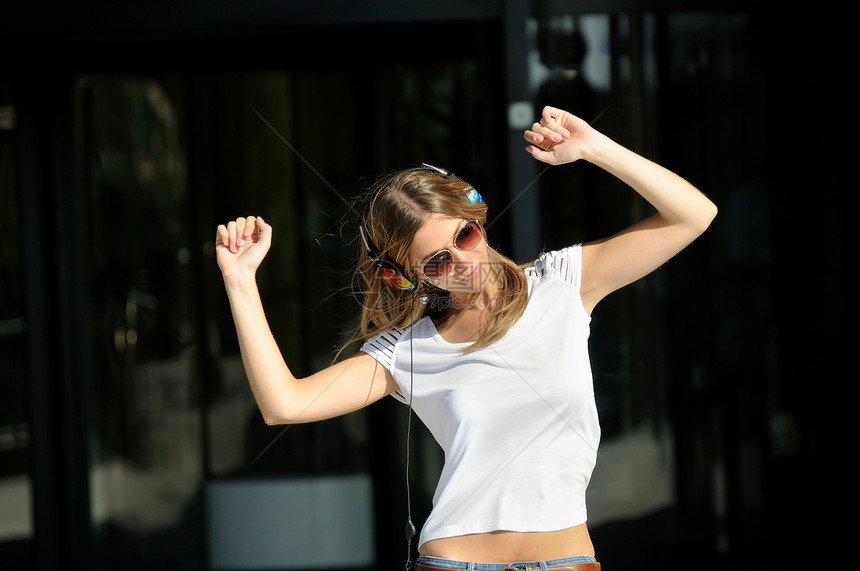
(395, 207)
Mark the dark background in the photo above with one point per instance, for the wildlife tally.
(129, 130)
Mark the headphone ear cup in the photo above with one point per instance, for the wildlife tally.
(394, 276)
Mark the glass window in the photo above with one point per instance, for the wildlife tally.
(143, 340)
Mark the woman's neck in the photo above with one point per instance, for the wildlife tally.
(466, 316)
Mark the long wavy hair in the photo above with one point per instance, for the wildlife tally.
(395, 207)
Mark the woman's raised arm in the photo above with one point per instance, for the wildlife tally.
(353, 383)
(683, 212)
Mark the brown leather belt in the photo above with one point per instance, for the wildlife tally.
(584, 566)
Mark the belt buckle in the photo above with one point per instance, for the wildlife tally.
(510, 568)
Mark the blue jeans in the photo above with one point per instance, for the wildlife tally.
(469, 566)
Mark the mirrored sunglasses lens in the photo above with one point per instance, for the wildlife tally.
(469, 237)
(438, 265)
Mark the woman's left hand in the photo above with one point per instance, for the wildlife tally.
(559, 137)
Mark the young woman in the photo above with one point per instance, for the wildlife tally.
(493, 357)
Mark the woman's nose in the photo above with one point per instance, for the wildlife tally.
(460, 260)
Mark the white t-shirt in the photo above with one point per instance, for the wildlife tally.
(516, 419)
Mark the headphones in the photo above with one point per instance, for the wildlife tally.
(391, 273)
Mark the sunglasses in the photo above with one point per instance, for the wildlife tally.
(442, 262)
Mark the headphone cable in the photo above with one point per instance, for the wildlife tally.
(410, 527)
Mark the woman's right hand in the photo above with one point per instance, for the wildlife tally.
(241, 245)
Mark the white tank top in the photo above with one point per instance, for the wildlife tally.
(516, 419)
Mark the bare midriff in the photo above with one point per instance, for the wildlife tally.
(511, 546)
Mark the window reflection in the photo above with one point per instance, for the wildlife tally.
(174, 424)
(146, 428)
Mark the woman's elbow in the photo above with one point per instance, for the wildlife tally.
(277, 417)
(705, 216)
(272, 420)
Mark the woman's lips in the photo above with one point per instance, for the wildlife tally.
(474, 273)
